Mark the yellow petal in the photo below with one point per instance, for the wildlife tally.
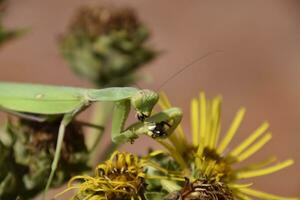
(164, 101)
(263, 195)
(266, 171)
(203, 119)
(253, 136)
(258, 165)
(195, 121)
(234, 186)
(242, 196)
(232, 130)
(254, 148)
(215, 120)
(202, 100)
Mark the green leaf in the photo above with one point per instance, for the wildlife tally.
(154, 196)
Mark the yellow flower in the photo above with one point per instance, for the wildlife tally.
(122, 177)
(209, 156)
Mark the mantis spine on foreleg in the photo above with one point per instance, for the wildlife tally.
(68, 102)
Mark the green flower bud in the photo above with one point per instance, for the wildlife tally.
(106, 45)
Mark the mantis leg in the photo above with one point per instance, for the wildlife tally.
(165, 122)
(159, 125)
(40, 118)
(90, 125)
(25, 115)
(64, 123)
(171, 117)
(120, 114)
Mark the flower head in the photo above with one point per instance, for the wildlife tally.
(208, 157)
(94, 21)
(120, 177)
(201, 189)
(106, 45)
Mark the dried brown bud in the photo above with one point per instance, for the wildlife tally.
(201, 190)
(43, 135)
(95, 21)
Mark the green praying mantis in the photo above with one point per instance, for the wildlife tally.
(44, 102)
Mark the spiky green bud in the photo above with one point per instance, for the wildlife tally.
(106, 45)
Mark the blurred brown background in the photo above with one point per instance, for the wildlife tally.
(259, 69)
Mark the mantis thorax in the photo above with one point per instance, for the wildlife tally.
(143, 101)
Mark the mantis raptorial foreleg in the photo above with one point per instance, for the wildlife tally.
(163, 124)
(159, 125)
(120, 114)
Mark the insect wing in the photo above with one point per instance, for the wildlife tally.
(40, 99)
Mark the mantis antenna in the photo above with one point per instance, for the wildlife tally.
(189, 65)
(184, 68)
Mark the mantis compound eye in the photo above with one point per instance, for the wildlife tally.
(159, 130)
(141, 117)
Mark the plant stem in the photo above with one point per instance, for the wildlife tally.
(111, 147)
(100, 116)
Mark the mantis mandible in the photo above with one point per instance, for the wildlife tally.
(66, 102)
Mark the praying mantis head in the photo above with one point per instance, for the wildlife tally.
(144, 101)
